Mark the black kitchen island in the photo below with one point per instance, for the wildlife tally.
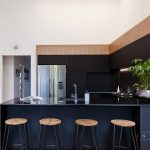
(103, 109)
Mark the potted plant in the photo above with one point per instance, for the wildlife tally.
(141, 69)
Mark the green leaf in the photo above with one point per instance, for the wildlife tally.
(141, 69)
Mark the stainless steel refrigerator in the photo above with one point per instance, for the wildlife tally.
(52, 82)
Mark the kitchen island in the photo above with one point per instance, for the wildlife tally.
(103, 109)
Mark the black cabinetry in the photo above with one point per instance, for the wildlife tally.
(145, 127)
(89, 72)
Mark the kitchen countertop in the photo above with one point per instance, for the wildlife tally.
(102, 100)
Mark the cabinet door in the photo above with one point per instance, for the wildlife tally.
(145, 128)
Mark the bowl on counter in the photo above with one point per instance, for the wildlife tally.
(123, 94)
(30, 99)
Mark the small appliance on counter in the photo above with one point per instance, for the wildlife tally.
(87, 97)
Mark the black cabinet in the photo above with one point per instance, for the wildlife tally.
(145, 127)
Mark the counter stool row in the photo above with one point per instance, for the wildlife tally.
(82, 125)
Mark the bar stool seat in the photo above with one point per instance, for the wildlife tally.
(123, 123)
(50, 121)
(86, 122)
(20, 123)
(16, 121)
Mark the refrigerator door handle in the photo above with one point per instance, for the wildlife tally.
(53, 90)
(39, 83)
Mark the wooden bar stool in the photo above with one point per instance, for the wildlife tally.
(21, 124)
(91, 124)
(124, 124)
(50, 122)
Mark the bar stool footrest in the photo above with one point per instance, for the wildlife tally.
(87, 146)
(121, 147)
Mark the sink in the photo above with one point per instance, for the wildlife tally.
(72, 101)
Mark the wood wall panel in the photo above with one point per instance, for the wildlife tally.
(137, 32)
(72, 49)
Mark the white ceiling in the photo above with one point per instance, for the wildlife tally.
(32, 22)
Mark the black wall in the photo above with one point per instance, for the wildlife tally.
(124, 56)
(89, 72)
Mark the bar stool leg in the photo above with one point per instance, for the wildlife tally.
(120, 138)
(28, 143)
(82, 137)
(20, 137)
(61, 140)
(40, 138)
(76, 140)
(25, 137)
(98, 141)
(133, 138)
(136, 138)
(7, 138)
(114, 136)
(45, 127)
(94, 138)
(56, 138)
(5, 130)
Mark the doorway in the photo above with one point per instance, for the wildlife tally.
(16, 77)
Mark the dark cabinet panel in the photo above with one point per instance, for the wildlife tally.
(75, 74)
(97, 62)
(145, 128)
(51, 60)
(100, 81)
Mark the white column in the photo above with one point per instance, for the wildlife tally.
(33, 75)
(1, 78)
(8, 78)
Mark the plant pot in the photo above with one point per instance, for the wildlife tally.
(143, 93)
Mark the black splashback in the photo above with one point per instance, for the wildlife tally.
(126, 81)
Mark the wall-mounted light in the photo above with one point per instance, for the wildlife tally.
(16, 47)
(125, 69)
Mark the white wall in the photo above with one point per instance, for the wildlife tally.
(28, 23)
(132, 12)
(31, 22)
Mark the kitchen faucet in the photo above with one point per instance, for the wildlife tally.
(75, 91)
